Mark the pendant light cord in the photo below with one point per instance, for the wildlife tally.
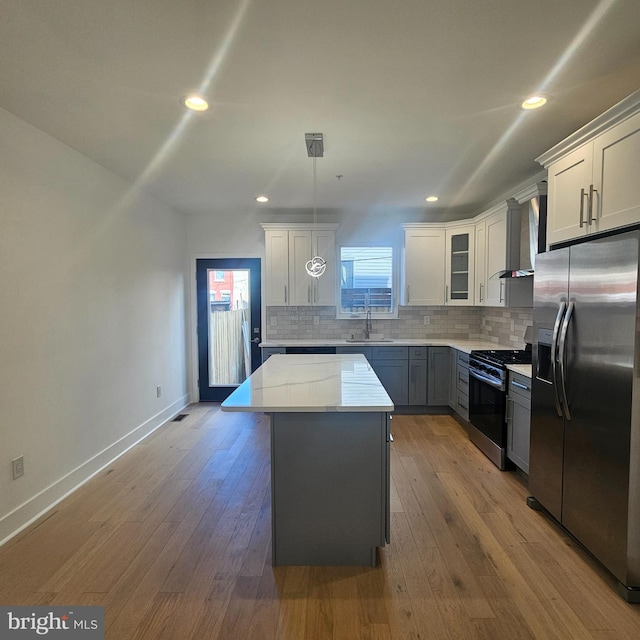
(317, 265)
(314, 190)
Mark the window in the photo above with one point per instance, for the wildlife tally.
(366, 282)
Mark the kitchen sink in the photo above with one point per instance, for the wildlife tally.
(368, 340)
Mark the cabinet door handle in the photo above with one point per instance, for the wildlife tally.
(481, 285)
(590, 217)
(509, 412)
(285, 294)
(519, 385)
(408, 293)
(582, 195)
(446, 293)
(501, 290)
(309, 294)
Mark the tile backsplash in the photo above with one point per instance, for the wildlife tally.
(502, 326)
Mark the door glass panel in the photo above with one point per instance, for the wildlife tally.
(229, 306)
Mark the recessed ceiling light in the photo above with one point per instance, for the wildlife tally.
(432, 199)
(534, 102)
(195, 103)
(262, 199)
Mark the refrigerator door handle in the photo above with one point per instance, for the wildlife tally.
(554, 355)
(561, 356)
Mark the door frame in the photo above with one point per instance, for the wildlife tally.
(194, 392)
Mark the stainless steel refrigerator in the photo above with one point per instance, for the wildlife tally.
(585, 433)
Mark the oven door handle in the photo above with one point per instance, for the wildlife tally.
(492, 383)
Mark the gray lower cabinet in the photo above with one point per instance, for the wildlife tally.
(461, 401)
(453, 376)
(518, 420)
(393, 375)
(330, 487)
(418, 376)
(439, 377)
(412, 376)
(391, 365)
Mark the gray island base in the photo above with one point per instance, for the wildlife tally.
(330, 475)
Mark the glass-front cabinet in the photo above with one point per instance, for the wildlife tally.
(460, 264)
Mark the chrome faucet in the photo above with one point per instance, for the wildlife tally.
(367, 325)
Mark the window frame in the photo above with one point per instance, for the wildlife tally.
(395, 279)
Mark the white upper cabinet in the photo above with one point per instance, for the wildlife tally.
(496, 259)
(300, 282)
(277, 267)
(568, 206)
(480, 294)
(324, 288)
(460, 265)
(616, 174)
(288, 248)
(424, 259)
(497, 250)
(593, 175)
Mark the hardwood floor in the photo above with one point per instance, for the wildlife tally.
(174, 540)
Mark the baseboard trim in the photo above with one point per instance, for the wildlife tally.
(28, 512)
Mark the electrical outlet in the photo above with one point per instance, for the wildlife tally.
(18, 467)
(427, 319)
(274, 321)
(316, 320)
(158, 391)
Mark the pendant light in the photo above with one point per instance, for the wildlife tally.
(315, 149)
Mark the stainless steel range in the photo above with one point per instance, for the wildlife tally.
(487, 400)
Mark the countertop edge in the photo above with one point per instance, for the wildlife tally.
(466, 346)
(288, 409)
(522, 369)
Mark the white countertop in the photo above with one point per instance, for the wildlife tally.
(457, 343)
(522, 369)
(302, 383)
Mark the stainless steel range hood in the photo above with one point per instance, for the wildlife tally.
(532, 236)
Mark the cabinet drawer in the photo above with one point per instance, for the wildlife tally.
(462, 380)
(418, 353)
(520, 385)
(390, 353)
(463, 359)
(462, 405)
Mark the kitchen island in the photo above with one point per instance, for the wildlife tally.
(330, 476)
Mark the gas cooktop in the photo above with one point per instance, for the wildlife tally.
(503, 357)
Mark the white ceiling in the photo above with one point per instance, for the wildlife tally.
(413, 97)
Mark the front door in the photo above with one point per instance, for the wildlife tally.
(228, 293)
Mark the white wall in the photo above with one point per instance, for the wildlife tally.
(92, 318)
